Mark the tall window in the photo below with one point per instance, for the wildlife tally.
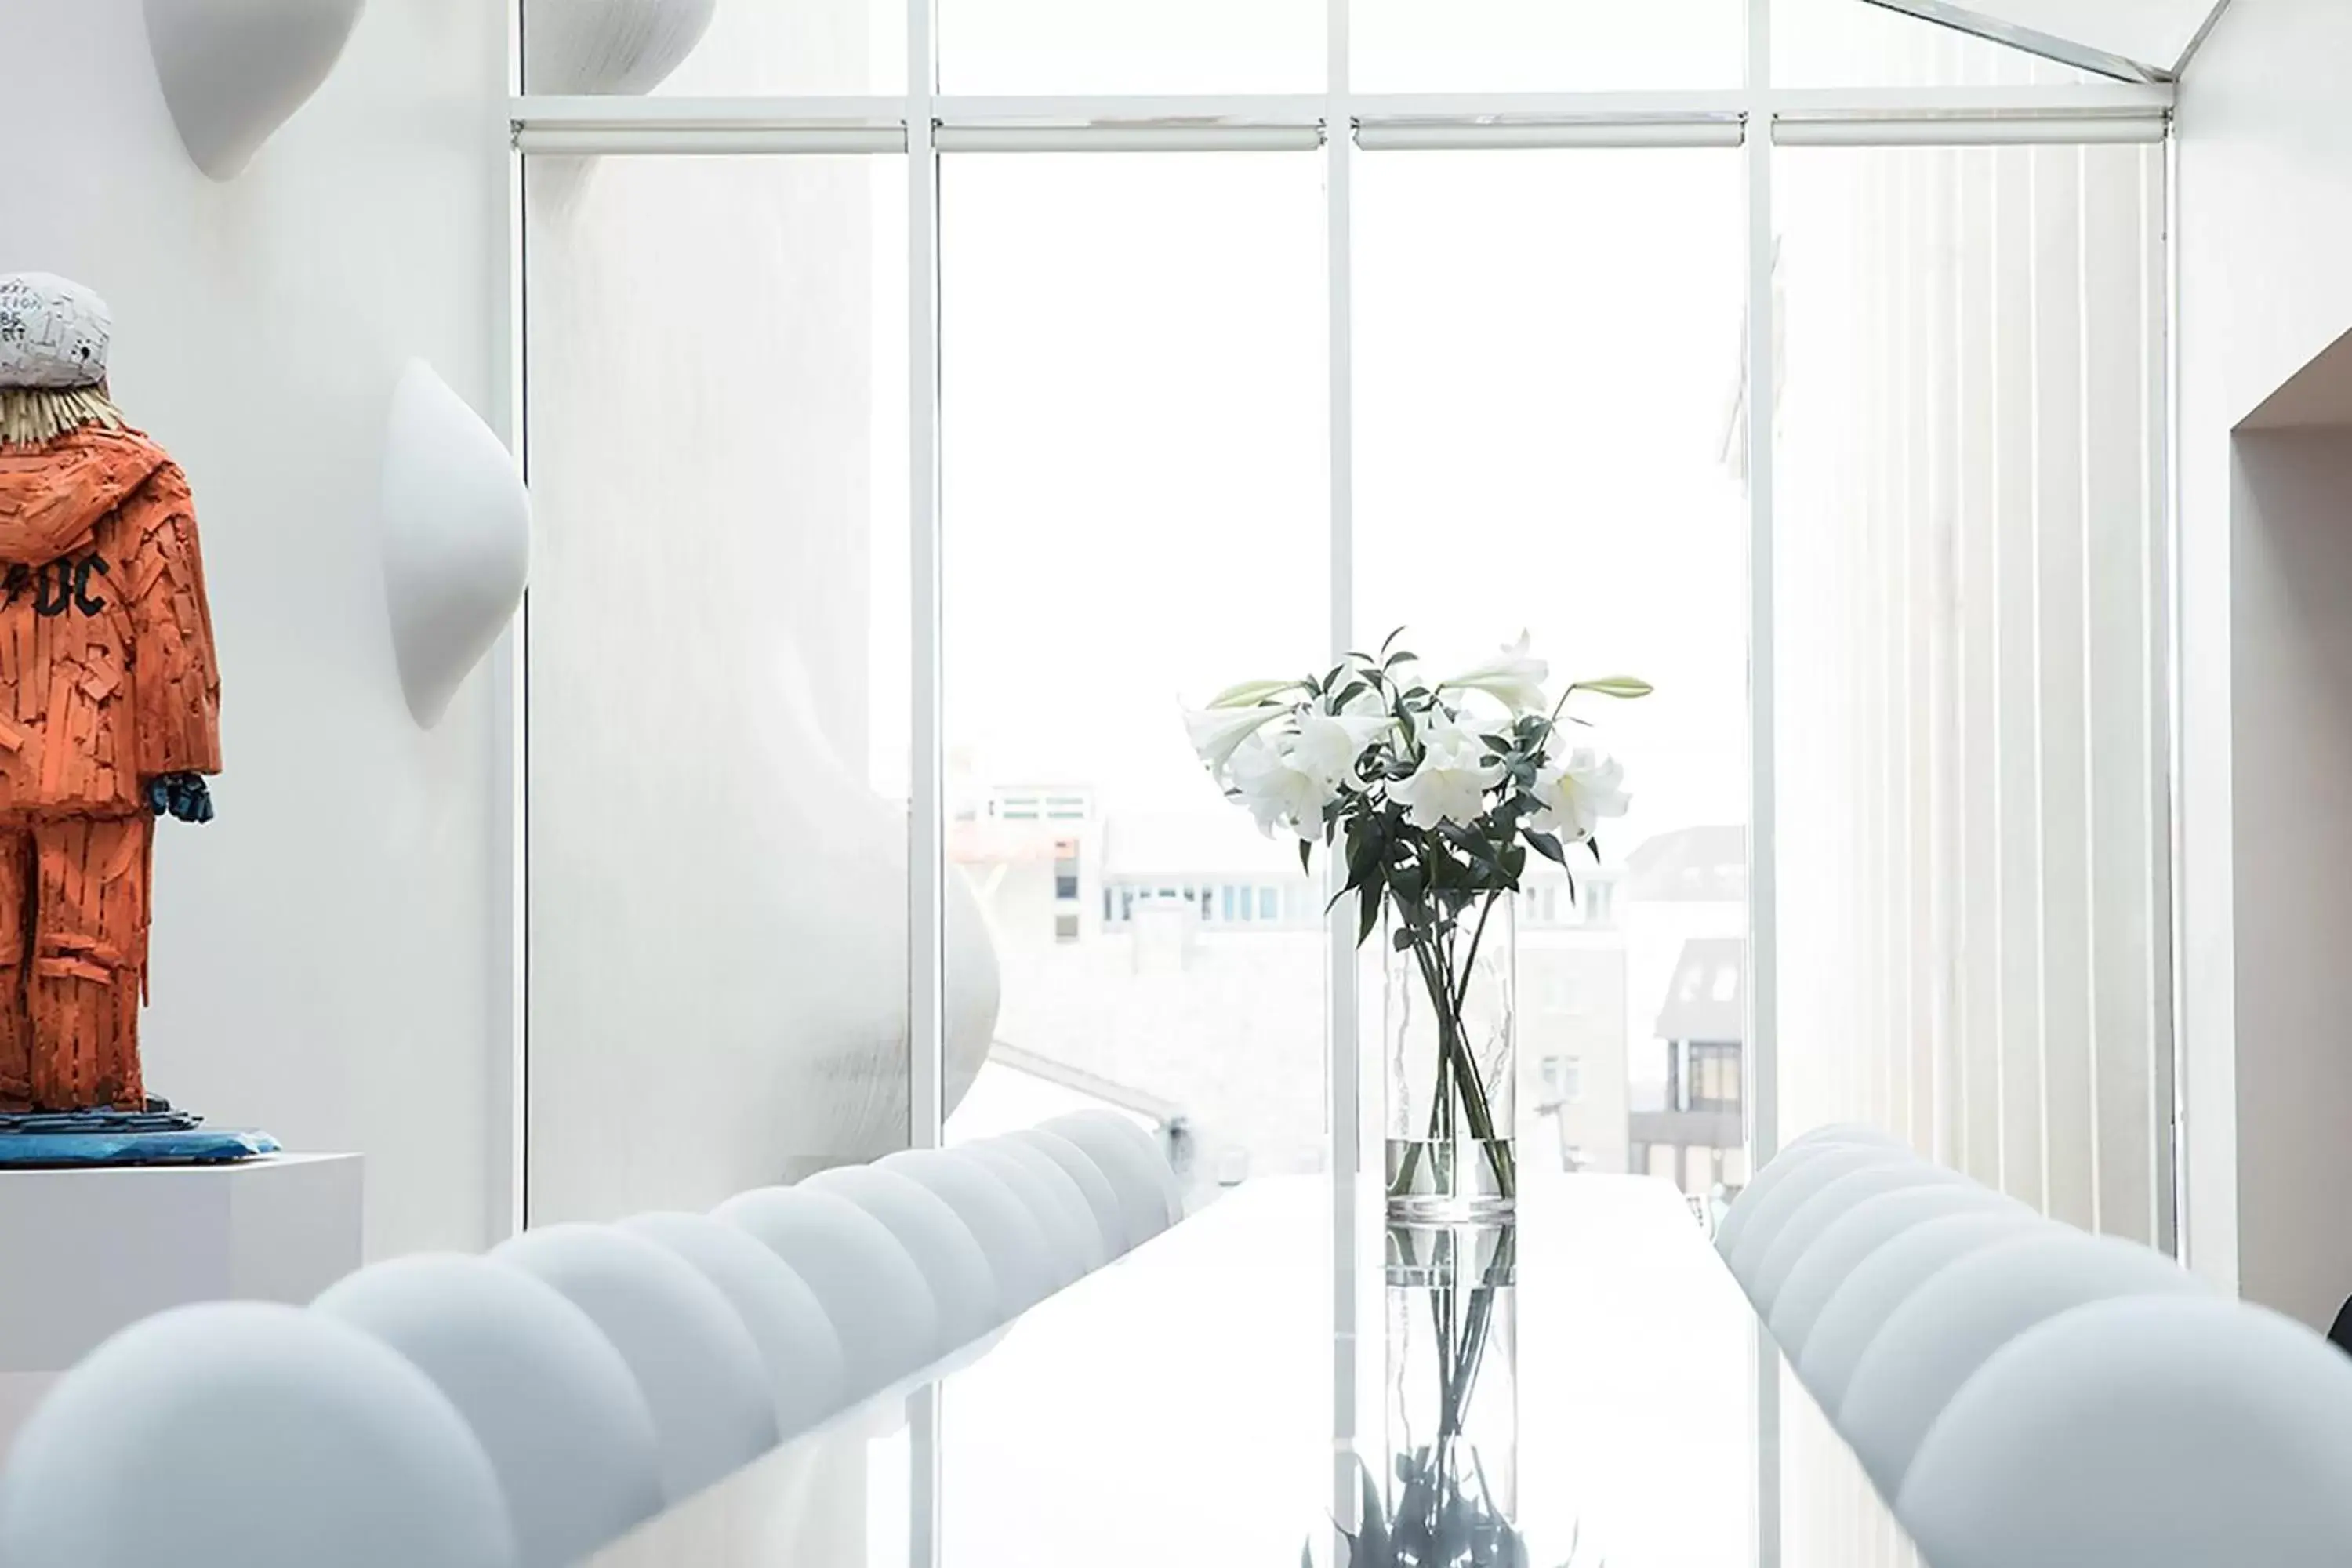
(717, 675)
(906, 459)
(1546, 346)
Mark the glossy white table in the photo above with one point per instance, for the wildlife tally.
(1201, 1403)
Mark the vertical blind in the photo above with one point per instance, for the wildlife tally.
(1970, 676)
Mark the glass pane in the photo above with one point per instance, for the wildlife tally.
(1967, 514)
(1850, 43)
(743, 48)
(1539, 46)
(1131, 45)
(1542, 446)
(1135, 511)
(718, 670)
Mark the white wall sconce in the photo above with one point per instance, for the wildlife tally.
(235, 71)
(457, 539)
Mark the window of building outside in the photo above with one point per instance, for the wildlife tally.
(1714, 1081)
(1549, 352)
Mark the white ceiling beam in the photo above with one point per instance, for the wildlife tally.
(2133, 40)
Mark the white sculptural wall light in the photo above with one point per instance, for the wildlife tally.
(233, 71)
(457, 539)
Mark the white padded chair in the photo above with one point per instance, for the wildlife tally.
(1016, 1244)
(1058, 1205)
(2149, 1432)
(1952, 1325)
(249, 1434)
(1086, 1176)
(808, 1375)
(697, 1366)
(1055, 1182)
(1164, 1174)
(1854, 1236)
(1860, 1307)
(1846, 1132)
(1135, 1172)
(555, 1407)
(878, 1300)
(1786, 1163)
(1787, 1197)
(963, 1282)
(1800, 1229)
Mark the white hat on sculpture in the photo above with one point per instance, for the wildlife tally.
(54, 332)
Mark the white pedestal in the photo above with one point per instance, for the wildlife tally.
(86, 1252)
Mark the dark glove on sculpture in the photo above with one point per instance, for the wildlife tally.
(183, 795)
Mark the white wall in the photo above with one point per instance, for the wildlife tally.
(2264, 225)
(2291, 577)
(323, 953)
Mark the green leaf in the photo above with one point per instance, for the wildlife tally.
(1369, 915)
(1403, 938)
(1307, 856)
(1623, 687)
(1547, 846)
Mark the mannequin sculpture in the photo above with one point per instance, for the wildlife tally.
(110, 701)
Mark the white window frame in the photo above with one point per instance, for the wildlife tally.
(924, 126)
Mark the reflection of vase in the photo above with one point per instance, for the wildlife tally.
(1453, 1457)
(1448, 1021)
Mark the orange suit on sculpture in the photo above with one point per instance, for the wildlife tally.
(108, 680)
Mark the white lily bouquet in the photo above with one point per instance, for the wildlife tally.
(1435, 793)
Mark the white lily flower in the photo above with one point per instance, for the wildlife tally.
(1217, 732)
(1452, 782)
(1577, 793)
(1516, 678)
(1277, 788)
(1328, 744)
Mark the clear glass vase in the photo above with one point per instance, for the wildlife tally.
(1450, 1035)
(1452, 1461)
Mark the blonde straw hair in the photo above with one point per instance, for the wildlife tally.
(32, 415)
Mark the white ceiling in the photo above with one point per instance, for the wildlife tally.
(2155, 35)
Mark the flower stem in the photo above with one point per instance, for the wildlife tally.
(1457, 1067)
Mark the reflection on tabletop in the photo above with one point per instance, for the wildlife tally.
(1248, 1387)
